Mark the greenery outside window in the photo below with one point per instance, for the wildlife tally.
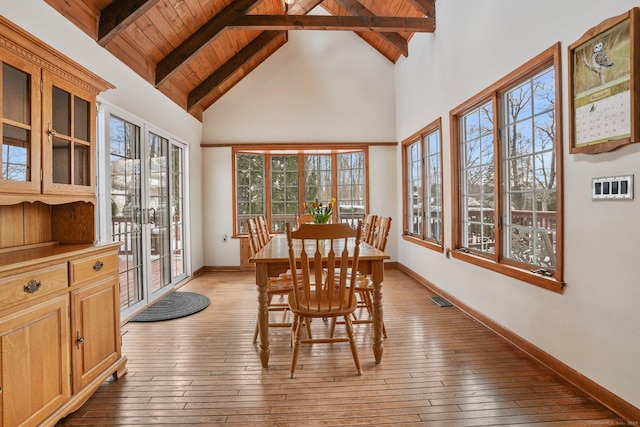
(276, 183)
(422, 187)
(507, 175)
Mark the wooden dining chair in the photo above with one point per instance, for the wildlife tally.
(364, 287)
(318, 295)
(368, 228)
(263, 229)
(276, 286)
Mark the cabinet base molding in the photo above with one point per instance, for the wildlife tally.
(117, 370)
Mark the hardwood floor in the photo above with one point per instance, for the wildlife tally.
(439, 368)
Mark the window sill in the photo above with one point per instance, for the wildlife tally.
(549, 283)
(426, 243)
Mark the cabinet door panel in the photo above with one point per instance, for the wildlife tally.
(19, 125)
(95, 318)
(34, 364)
(68, 143)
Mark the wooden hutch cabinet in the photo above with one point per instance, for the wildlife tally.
(59, 294)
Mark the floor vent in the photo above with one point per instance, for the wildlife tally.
(441, 301)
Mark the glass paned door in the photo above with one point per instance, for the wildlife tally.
(147, 211)
(158, 212)
(126, 207)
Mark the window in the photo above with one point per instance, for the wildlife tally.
(507, 160)
(285, 199)
(422, 187)
(276, 184)
(351, 187)
(250, 188)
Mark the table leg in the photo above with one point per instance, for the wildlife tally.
(262, 279)
(377, 276)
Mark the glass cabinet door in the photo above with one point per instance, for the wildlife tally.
(19, 125)
(70, 127)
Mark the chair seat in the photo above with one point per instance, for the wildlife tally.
(311, 308)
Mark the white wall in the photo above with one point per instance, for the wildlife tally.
(593, 326)
(319, 87)
(132, 93)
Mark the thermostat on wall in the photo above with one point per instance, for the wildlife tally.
(612, 187)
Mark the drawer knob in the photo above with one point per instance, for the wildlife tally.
(32, 287)
(98, 265)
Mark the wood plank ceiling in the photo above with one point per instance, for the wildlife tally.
(194, 51)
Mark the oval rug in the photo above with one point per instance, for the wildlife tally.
(173, 306)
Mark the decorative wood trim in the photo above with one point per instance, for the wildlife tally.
(21, 43)
(618, 405)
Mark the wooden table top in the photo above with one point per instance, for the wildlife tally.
(277, 250)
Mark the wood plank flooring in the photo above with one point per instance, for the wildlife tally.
(439, 368)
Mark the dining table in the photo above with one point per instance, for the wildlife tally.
(273, 259)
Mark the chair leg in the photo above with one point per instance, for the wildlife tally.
(352, 343)
(296, 345)
(333, 326)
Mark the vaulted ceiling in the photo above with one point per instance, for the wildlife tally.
(194, 51)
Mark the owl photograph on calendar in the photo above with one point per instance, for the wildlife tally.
(604, 60)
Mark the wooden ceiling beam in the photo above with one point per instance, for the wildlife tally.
(117, 16)
(428, 7)
(354, 7)
(302, 7)
(231, 66)
(167, 66)
(335, 23)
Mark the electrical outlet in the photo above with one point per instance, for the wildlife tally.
(612, 187)
(225, 238)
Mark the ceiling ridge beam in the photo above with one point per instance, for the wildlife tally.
(231, 66)
(171, 63)
(333, 23)
(395, 39)
(116, 17)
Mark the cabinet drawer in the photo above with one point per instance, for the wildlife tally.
(28, 286)
(92, 268)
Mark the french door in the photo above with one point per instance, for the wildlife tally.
(146, 192)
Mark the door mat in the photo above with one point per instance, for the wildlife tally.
(173, 306)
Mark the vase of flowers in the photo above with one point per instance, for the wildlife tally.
(321, 213)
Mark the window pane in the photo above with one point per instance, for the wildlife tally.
(81, 119)
(284, 191)
(351, 184)
(477, 179)
(317, 178)
(61, 111)
(16, 95)
(250, 170)
(530, 162)
(16, 153)
(81, 164)
(433, 187)
(414, 188)
(61, 161)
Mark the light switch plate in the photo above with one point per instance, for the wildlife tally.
(612, 187)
